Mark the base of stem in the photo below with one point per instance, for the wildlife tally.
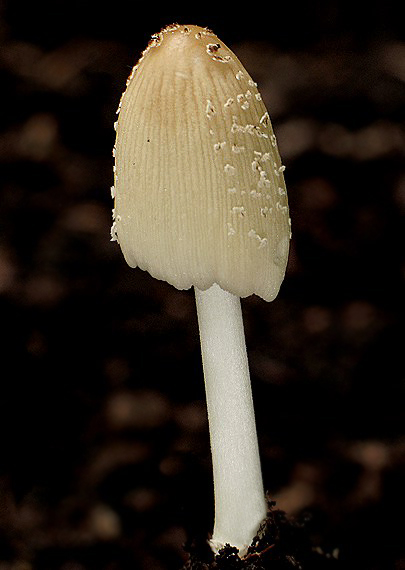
(279, 544)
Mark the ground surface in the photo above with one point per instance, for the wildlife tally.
(105, 459)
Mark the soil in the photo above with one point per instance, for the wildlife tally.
(104, 450)
(281, 544)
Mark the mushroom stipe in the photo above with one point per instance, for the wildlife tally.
(200, 201)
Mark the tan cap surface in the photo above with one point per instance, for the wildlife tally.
(199, 189)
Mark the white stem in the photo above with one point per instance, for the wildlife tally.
(240, 505)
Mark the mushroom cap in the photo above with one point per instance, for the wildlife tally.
(199, 190)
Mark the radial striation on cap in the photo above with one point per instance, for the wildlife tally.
(199, 190)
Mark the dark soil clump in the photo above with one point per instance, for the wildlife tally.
(281, 544)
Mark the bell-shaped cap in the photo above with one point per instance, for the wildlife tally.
(199, 189)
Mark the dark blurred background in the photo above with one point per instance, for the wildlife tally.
(104, 451)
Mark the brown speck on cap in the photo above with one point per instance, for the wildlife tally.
(190, 121)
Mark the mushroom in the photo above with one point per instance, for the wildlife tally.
(200, 200)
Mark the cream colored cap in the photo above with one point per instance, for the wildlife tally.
(199, 189)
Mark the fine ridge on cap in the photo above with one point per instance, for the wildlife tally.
(199, 190)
